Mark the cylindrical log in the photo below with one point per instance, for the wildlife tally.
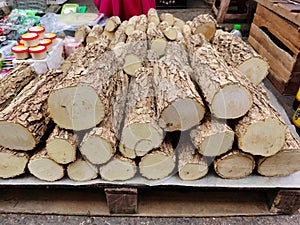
(167, 17)
(82, 32)
(156, 38)
(204, 24)
(12, 163)
(112, 23)
(61, 146)
(234, 165)
(120, 35)
(213, 137)
(95, 33)
(142, 23)
(191, 165)
(159, 163)
(131, 25)
(240, 55)
(178, 23)
(25, 120)
(41, 166)
(153, 16)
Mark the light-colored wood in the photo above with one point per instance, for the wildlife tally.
(178, 23)
(95, 33)
(12, 163)
(119, 38)
(153, 16)
(112, 23)
(25, 120)
(169, 31)
(142, 23)
(167, 17)
(156, 38)
(204, 24)
(131, 25)
(82, 32)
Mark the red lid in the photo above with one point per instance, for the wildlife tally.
(36, 29)
(29, 36)
(37, 49)
(50, 36)
(46, 42)
(19, 49)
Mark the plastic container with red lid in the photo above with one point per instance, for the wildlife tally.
(40, 30)
(47, 43)
(52, 37)
(20, 52)
(30, 39)
(38, 52)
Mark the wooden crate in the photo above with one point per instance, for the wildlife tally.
(275, 35)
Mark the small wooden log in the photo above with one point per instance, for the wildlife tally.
(234, 165)
(109, 35)
(191, 165)
(153, 16)
(44, 168)
(159, 163)
(131, 25)
(169, 31)
(119, 36)
(283, 163)
(119, 168)
(167, 17)
(82, 32)
(112, 23)
(95, 33)
(142, 23)
(13, 82)
(12, 163)
(61, 146)
(204, 24)
(157, 39)
(141, 131)
(240, 55)
(178, 23)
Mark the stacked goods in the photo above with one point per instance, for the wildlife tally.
(113, 109)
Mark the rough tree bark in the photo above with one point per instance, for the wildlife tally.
(112, 23)
(153, 16)
(156, 38)
(95, 33)
(82, 32)
(169, 31)
(204, 24)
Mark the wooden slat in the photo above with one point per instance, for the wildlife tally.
(290, 7)
(293, 17)
(286, 31)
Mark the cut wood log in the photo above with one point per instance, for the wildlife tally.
(119, 168)
(42, 167)
(213, 137)
(99, 145)
(167, 17)
(240, 55)
(112, 23)
(204, 24)
(81, 170)
(169, 31)
(61, 146)
(13, 82)
(142, 23)
(25, 120)
(178, 23)
(234, 165)
(283, 163)
(153, 16)
(131, 25)
(127, 152)
(141, 131)
(179, 105)
(156, 38)
(191, 165)
(76, 103)
(120, 35)
(95, 33)
(82, 32)
(262, 130)
(109, 35)
(12, 163)
(159, 163)
(219, 85)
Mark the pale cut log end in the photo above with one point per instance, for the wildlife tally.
(255, 69)
(46, 169)
(226, 104)
(12, 165)
(127, 152)
(132, 64)
(171, 33)
(96, 150)
(283, 163)
(156, 166)
(207, 29)
(118, 169)
(141, 137)
(182, 115)
(193, 171)
(15, 136)
(235, 165)
(81, 170)
(159, 45)
(61, 151)
(76, 108)
(263, 138)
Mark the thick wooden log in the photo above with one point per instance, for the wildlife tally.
(99, 145)
(159, 163)
(14, 82)
(120, 35)
(131, 25)
(213, 137)
(12, 163)
(178, 23)
(44, 168)
(142, 23)
(169, 31)
(95, 33)
(167, 17)
(283, 163)
(153, 16)
(141, 131)
(24, 122)
(118, 168)
(240, 55)
(82, 32)
(112, 23)
(156, 38)
(191, 165)
(234, 165)
(61, 146)
(204, 24)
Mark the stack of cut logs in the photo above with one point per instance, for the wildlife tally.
(152, 96)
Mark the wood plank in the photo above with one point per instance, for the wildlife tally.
(290, 7)
(223, 8)
(293, 17)
(276, 57)
(286, 202)
(286, 31)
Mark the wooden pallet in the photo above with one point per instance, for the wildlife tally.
(275, 35)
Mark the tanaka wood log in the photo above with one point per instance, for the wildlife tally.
(95, 33)
(204, 24)
(112, 23)
(156, 38)
(82, 32)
